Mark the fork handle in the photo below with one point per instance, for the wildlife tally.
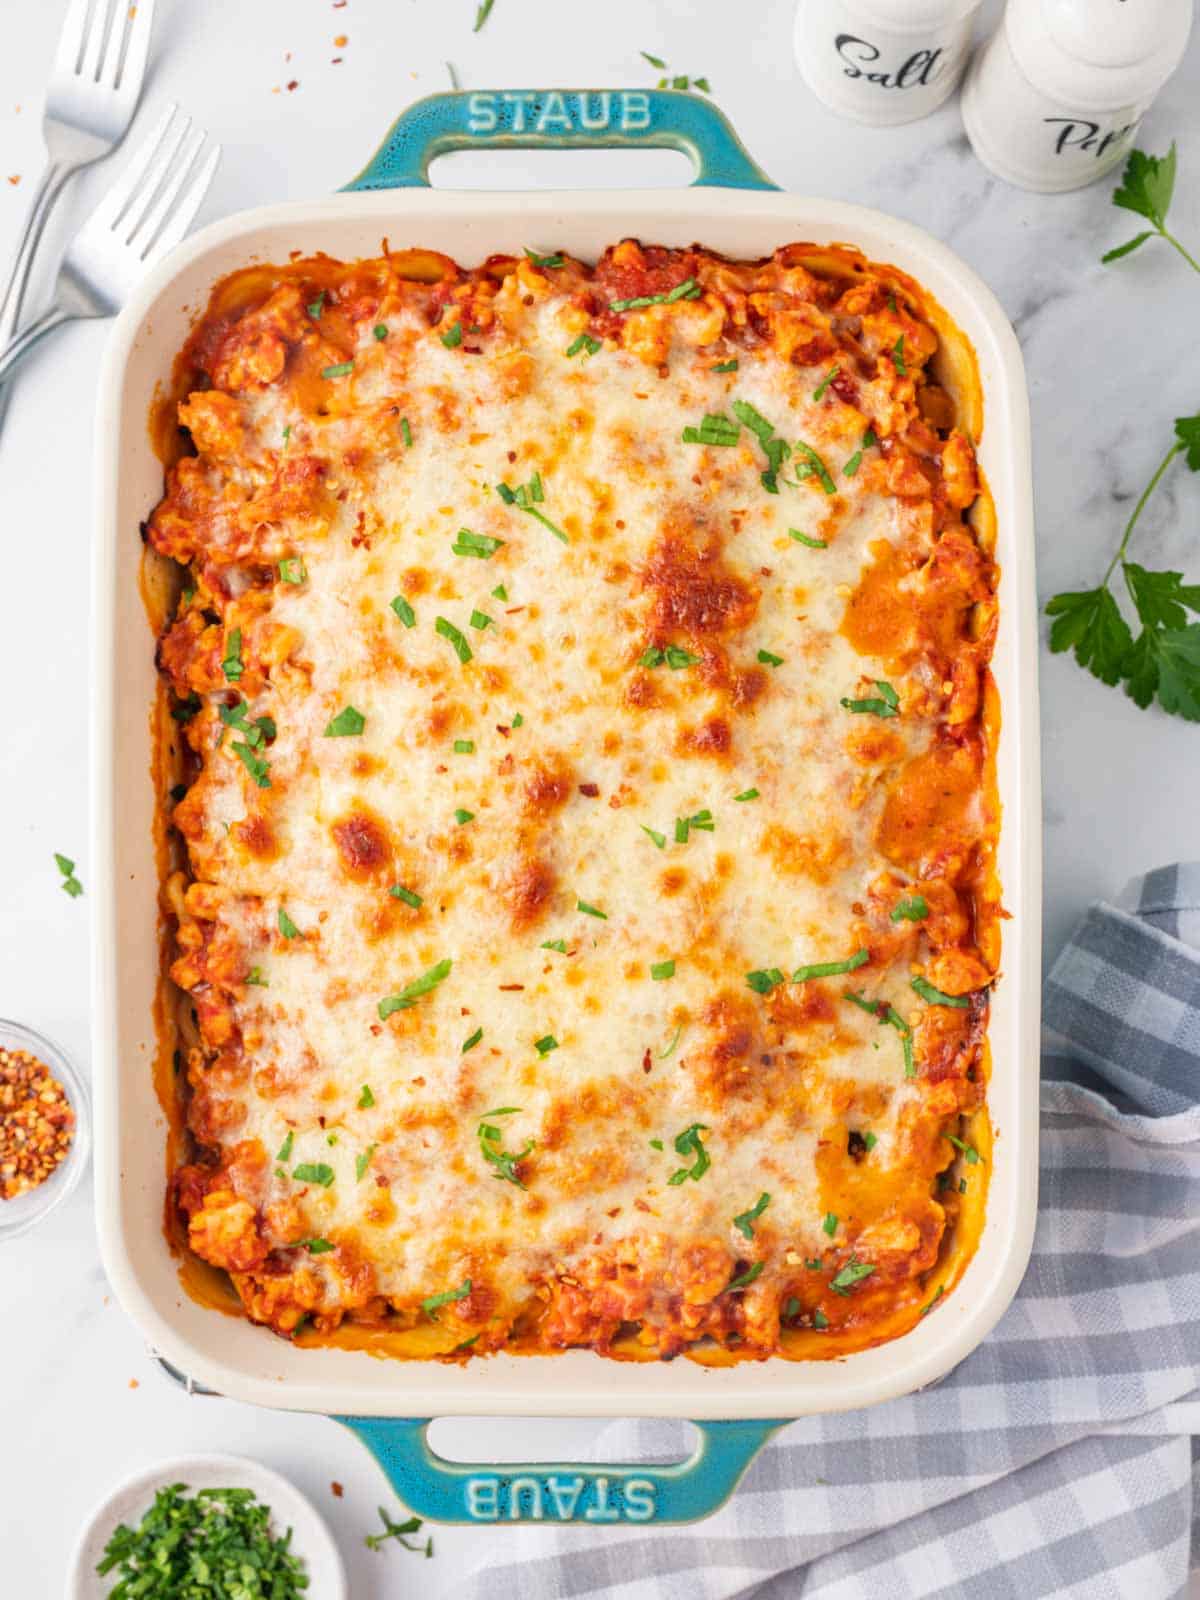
(55, 175)
(17, 349)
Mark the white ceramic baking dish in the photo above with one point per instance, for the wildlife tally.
(723, 211)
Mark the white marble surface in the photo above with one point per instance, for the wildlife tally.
(1107, 354)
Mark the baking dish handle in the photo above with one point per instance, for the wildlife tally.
(456, 1491)
(561, 119)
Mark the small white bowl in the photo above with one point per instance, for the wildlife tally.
(18, 1215)
(129, 1502)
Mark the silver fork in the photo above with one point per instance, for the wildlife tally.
(93, 92)
(145, 213)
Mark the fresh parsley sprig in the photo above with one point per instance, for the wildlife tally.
(1163, 661)
(1146, 188)
(400, 1530)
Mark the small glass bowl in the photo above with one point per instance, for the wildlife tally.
(26, 1210)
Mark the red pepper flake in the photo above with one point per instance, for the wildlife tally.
(295, 84)
(37, 1122)
(338, 1491)
(15, 179)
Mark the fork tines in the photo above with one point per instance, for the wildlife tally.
(105, 42)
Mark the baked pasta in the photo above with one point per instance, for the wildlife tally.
(579, 818)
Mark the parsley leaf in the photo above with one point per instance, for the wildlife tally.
(853, 1272)
(492, 1151)
(400, 1530)
(1146, 188)
(432, 1302)
(70, 884)
(744, 1278)
(745, 1220)
(456, 637)
(689, 1143)
(287, 927)
(1089, 622)
(346, 724)
(412, 992)
(910, 908)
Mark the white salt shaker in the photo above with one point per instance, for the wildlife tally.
(1054, 98)
(883, 61)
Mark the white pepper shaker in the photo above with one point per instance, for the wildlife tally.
(883, 61)
(1053, 99)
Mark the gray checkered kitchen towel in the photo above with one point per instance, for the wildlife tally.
(1058, 1458)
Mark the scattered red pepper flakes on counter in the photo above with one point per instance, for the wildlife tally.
(37, 1122)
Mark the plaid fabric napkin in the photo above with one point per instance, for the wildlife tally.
(1058, 1458)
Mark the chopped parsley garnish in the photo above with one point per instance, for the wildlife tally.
(675, 656)
(586, 343)
(218, 1541)
(713, 430)
(313, 1172)
(590, 911)
(855, 461)
(70, 884)
(764, 979)
(820, 1320)
(287, 434)
(790, 1307)
(747, 794)
(232, 666)
(689, 289)
(505, 1161)
(315, 307)
(910, 908)
(660, 839)
(258, 768)
(285, 1149)
(831, 969)
(184, 710)
(937, 1295)
(480, 620)
(870, 1140)
(453, 336)
(528, 497)
(886, 705)
(819, 391)
(672, 1045)
(456, 637)
(338, 371)
(366, 1099)
(725, 366)
(461, 815)
(743, 1278)
(255, 978)
(471, 1041)
(543, 261)
(464, 747)
(853, 1272)
(555, 944)
(968, 1150)
(898, 357)
(766, 659)
(410, 898)
(363, 1161)
(830, 1223)
(776, 450)
(316, 1247)
(292, 570)
(380, 331)
(500, 592)
(886, 1014)
(745, 1220)
(256, 732)
(689, 1143)
(287, 927)
(545, 1044)
(412, 992)
(657, 1144)
(404, 611)
(518, 720)
(662, 969)
(935, 997)
(813, 466)
(406, 433)
(481, 545)
(347, 723)
(701, 822)
(431, 1303)
(807, 538)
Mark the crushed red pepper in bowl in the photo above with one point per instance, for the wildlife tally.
(37, 1122)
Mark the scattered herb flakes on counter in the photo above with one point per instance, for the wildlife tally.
(199, 1547)
(399, 1531)
(70, 883)
(481, 16)
(37, 1122)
